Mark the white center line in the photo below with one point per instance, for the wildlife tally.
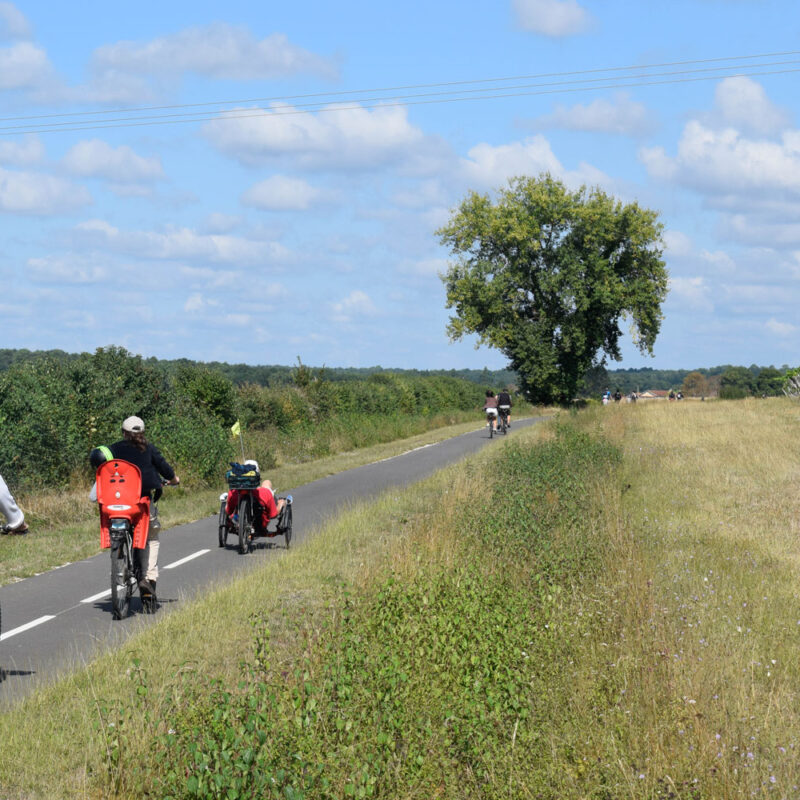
(26, 626)
(188, 558)
(97, 596)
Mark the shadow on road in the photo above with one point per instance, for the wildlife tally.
(7, 673)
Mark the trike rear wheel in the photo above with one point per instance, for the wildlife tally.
(245, 525)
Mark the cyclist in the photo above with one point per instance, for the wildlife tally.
(15, 519)
(490, 407)
(504, 405)
(271, 506)
(134, 448)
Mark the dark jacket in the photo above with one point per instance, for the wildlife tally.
(150, 462)
(504, 399)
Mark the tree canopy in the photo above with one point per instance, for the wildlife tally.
(545, 275)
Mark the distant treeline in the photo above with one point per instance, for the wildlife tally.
(55, 407)
(274, 374)
(726, 380)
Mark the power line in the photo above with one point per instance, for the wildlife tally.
(351, 92)
(492, 92)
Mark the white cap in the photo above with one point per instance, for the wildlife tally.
(251, 462)
(133, 425)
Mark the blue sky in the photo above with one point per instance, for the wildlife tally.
(268, 229)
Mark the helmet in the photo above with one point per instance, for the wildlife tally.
(99, 456)
(251, 462)
(133, 425)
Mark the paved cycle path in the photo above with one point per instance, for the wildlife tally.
(61, 619)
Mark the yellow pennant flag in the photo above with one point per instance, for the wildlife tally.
(236, 428)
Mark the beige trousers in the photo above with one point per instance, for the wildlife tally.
(148, 558)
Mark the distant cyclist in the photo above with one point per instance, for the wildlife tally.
(504, 406)
(490, 407)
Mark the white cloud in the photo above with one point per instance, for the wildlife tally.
(95, 158)
(179, 244)
(425, 267)
(677, 244)
(196, 302)
(719, 162)
(490, 166)
(282, 193)
(21, 152)
(219, 51)
(753, 230)
(743, 103)
(692, 292)
(39, 194)
(780, 328)
(209, 278)
(720, 261)
(55, 269)
(356, 304)
(13, 24)
(621, 116)
(334, 138)
(216, 222)
(23, 66)
(555, 18)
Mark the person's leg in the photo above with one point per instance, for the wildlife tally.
(10, 509)
(153, 545)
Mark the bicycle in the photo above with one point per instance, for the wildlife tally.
(246, 522)
(502, 418)
(124, 526)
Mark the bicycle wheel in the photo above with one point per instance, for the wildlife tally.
(121, 588)
(491, 429)
(287, 530)
(223, 524)
(245, 524)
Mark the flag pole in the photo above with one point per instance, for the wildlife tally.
(236, 430)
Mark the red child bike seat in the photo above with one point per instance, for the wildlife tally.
(119, 495)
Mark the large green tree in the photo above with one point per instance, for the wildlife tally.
(546, 275)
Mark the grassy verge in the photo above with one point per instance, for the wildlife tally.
(65, 522)
(606, 609)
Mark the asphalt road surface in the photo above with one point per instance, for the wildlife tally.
(61, 619)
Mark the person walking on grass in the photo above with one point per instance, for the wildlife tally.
(15, 519)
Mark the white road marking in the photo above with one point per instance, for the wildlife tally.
(25, 627)
(188, 558)
(97, 596)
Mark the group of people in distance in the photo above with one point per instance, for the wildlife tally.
(497, 404)
(607, 397)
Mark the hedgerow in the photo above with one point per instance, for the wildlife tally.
(54, 411)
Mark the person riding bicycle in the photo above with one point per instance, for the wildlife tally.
(271, 506)
(490, 407)
(134, 448)
(504, 405)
